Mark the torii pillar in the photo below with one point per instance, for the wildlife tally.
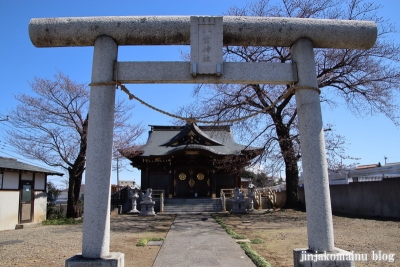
(321, 250)
(96, 223)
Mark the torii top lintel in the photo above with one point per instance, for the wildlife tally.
(175, 30)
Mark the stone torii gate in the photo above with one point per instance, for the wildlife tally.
(206, 35)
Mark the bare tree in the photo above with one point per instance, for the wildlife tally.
(51, 126)
(367, 81)
(335, 145)
(125, 136)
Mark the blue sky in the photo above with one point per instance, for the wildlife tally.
(369, 138)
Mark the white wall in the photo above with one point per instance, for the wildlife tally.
(9, 206)
(40, 181)
(39, 214)
(11, 180)
(27, 176)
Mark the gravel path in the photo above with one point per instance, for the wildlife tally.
(42, 246)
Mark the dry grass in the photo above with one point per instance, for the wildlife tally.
(283, 231)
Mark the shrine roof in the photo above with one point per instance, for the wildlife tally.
(165, 140)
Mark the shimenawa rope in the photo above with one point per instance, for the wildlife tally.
(290, 91)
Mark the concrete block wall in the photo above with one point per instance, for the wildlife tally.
(379, 198)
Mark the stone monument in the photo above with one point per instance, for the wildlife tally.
(239, 204)
(251, 195)
(133, 195)
(147, 204)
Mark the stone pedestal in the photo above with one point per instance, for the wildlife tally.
(251, 204)
(147, 208)
(251, 196)
(115, 259)
(134, 210)
(239, 207)
(336, 258)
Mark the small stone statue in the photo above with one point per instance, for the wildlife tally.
(238, 202)
(241, 196)
(236, 193)
(147, 205)
(147, 195)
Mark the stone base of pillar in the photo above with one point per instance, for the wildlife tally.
(116, 259)
(337, 258)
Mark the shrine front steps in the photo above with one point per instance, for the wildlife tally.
(192, 205)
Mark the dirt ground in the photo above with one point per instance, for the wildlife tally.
(282, 231)
(52, 245)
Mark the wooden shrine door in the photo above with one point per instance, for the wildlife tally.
(191, 183)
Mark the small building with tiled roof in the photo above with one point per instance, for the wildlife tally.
(23, 197)
(190, 161)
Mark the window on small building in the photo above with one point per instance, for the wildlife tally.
(1, 180)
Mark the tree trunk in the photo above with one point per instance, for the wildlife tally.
(290, 159)
(75, 181)
(75, 174)
(292, 182)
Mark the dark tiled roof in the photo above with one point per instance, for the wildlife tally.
(194, 133)
(13, 164)
(223, 142)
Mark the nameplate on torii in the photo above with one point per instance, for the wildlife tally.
(206, 43)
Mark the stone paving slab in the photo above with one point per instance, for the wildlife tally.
(155, 243)
(196, 240)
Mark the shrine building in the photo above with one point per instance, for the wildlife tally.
(190, 161)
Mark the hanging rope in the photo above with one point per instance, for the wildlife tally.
(291, 90)
(296, 87)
